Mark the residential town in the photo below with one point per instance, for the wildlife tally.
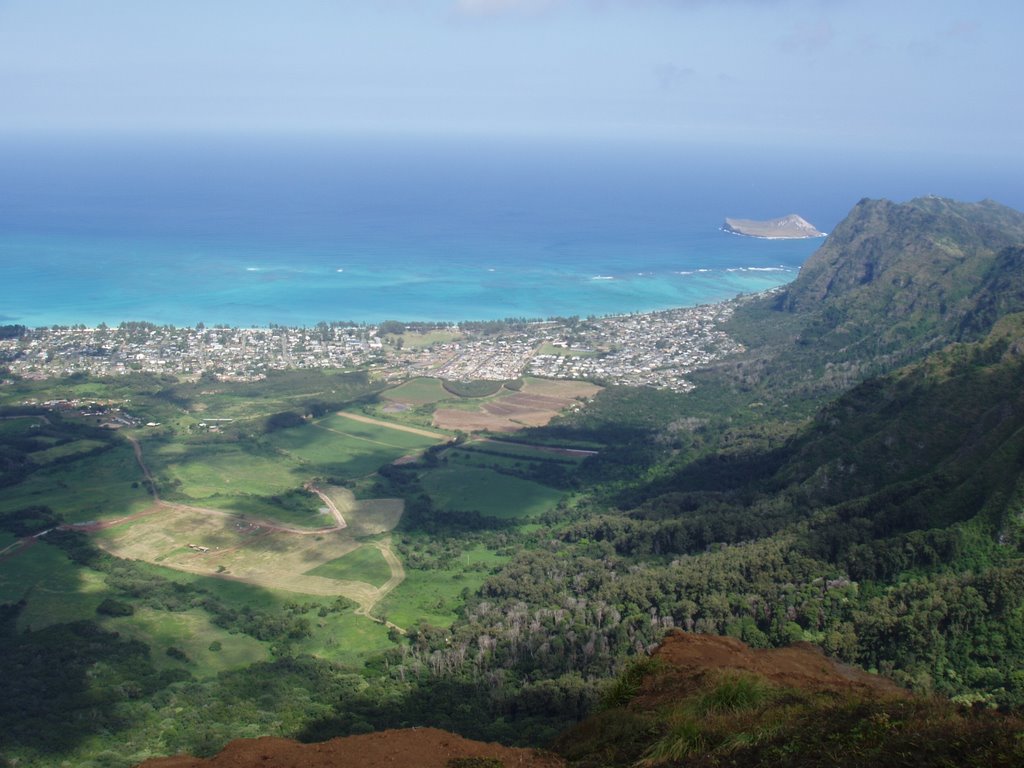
(656, 349)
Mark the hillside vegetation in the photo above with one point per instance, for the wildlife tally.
(854, 480)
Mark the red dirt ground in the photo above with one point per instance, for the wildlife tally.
(689, 657)
(412, 747)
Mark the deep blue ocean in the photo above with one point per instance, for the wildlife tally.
(253, 232)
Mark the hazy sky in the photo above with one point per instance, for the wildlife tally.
(904, 74)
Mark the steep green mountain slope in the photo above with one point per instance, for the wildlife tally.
(893, 282)
(886, 527)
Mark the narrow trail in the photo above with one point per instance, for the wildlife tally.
(331, 506)
(397, 577)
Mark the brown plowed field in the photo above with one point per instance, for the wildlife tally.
(537, 404)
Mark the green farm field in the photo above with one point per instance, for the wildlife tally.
(341, 447)
(379, 433)
(193, 633)
(92, 488)
(55, 589)
(487, 492)
(421, 390)
(201, 471)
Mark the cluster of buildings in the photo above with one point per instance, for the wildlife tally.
(244, 354)
(654, 349)
(499, 359)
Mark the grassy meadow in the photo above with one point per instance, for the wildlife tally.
(363, 564)
(94, 487)
(435, 595)
(418, 391)
(468, 488)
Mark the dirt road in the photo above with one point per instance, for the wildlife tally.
(366, 595)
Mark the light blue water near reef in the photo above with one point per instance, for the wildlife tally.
(251, 233)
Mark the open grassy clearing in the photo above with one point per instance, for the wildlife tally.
(377, 432)
(434, 596)
(237, 593)
(20, 426)
(73, 448)
(282, 390)
(191, 632)
(263, 478)
(515, 464)
(93, 488)
(422, 340)
(547, 348)
(363, 564)
(345, 638)
(473, 389)
(226, 476)
(567, 388)
(250, 552)
(339, 636)
(488, 492)
(55, 589)
(236, 549)
(421, 390)
(337, 446)
(200, 471)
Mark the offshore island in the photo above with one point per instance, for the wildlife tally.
(791, 227)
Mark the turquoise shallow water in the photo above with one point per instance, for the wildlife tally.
(256, 233)
(67, 280)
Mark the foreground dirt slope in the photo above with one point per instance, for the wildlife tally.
(689, 661)
(689, 658)
(421, 747)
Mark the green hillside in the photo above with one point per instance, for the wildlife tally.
(854, 480)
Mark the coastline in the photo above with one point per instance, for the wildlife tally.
(656, 349)
(305, 299)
